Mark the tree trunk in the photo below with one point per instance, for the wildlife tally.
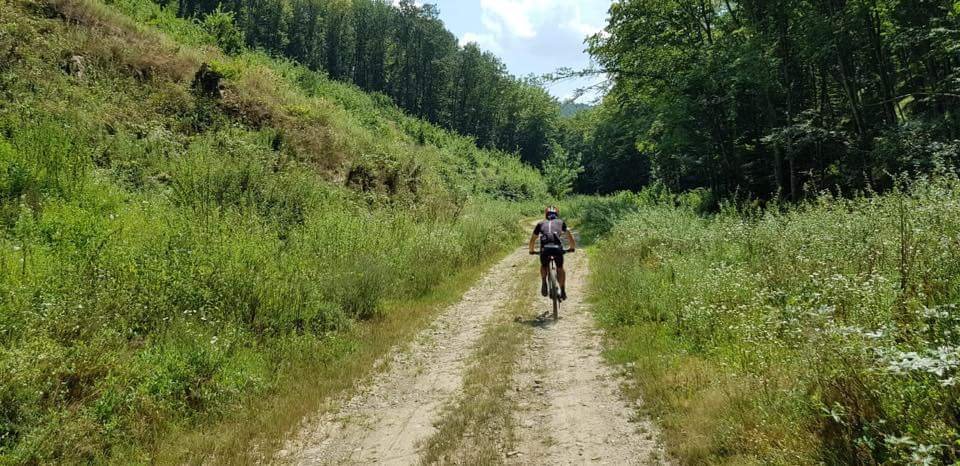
(886, 82)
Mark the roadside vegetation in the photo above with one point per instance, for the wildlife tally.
(178, 245)
(820, 332)
(795, 302)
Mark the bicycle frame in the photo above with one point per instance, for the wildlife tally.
(553, 284)
(554, 288)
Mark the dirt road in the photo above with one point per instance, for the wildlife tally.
(568, 407)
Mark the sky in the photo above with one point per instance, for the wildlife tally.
(530, 36)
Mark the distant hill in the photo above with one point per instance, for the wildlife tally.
(569, 109)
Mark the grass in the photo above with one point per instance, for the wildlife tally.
(819, 333)
(173, 263)
(268, 422)
(479, 427)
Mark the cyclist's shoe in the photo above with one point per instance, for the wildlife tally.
(563, 294)
(543, 288)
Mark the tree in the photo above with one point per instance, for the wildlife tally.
(265, 24)
(775, 96)
(560, 171)
(305, 40)
(220, 25)
(402, 50)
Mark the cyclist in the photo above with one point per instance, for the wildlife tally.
(551, 246)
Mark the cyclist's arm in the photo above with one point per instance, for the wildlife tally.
(533, 244)
(571, 240)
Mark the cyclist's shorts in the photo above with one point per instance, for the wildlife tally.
(547, 253)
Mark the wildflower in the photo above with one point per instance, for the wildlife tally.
(894, 441)
(935, 361)
(925, 454)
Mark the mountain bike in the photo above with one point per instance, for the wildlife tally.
(553, 285)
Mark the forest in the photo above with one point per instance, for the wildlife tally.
(783, 97)
(742, 98)
(403, 52)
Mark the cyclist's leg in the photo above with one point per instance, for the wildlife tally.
(561, 276)
(544, 271)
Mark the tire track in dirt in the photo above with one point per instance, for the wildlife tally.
(570, 409)
(386, 420)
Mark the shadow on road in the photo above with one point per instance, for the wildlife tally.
(544, 320)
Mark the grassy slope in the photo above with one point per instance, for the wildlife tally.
(825, 333)
(169, 262)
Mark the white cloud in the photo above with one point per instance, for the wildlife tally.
(485, 41)
(517, 16)
(581, 28)
(508, 21)
(532, 36)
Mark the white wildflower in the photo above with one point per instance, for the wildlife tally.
(897, 441)
(925, 455)
(936, 362)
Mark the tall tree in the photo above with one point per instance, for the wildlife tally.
(779, 96)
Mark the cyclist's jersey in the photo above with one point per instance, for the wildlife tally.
(549, 232)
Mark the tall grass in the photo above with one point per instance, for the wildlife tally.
(125, 311)
(826, 332)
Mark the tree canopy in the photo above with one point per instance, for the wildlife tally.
(774, 96)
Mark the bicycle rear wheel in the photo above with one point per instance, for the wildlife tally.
(554, 290)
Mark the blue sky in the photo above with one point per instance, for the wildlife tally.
(530, 36)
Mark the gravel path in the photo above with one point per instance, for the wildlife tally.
(570, 410)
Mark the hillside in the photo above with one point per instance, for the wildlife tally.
(398, 48)
(183, 232)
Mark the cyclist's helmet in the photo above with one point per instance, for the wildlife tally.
(552, 213)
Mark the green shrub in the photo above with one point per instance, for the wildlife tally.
(39, 159)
